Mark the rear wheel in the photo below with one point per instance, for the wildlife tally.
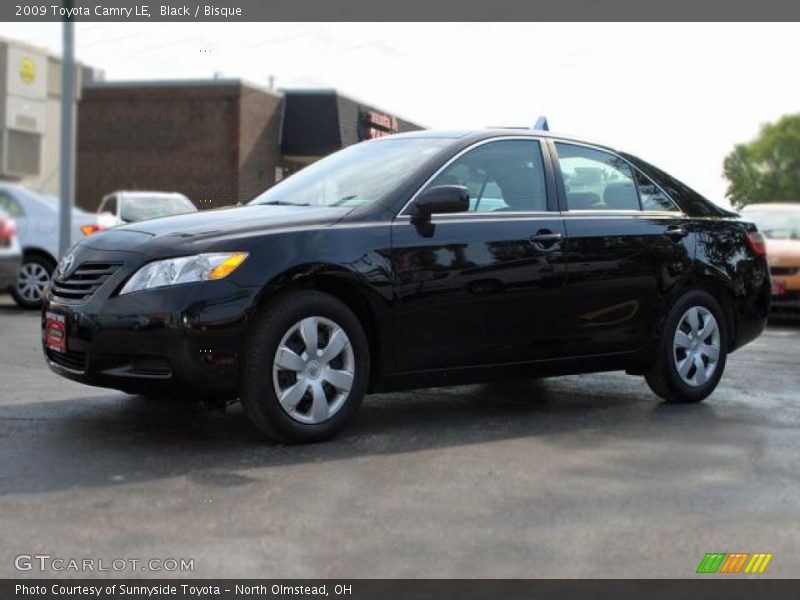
(306, 368)
(692, 351)
(32, 281)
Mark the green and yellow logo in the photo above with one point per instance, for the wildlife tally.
(735, 562)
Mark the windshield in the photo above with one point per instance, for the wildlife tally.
(141, 208)
(357, 175)
(777, 224)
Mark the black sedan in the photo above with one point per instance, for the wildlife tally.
(422, 259)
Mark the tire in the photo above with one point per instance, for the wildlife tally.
(32, 280)
(689, 365)
(316, 402)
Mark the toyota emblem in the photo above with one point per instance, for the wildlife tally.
(66, 264)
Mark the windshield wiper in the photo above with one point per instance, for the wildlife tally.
(284, 203)
(341, 201)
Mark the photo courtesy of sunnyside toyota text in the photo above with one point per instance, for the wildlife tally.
(425, 300)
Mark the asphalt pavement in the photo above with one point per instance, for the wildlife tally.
(583, 476)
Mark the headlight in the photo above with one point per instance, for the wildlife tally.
(186, 269)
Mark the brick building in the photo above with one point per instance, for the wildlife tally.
(218, 141)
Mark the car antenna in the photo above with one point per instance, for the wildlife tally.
(541, 124)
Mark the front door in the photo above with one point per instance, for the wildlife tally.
(485, 286)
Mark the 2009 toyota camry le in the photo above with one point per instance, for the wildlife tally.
(416, 260)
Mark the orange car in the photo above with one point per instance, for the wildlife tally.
(779, 222)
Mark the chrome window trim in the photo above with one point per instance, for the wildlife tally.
(578, 213)
(493, 215)
(484, 217)
(530, 138)
(633, 167)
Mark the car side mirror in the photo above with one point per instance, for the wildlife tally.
(440, 199)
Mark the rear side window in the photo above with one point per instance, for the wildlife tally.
(651, 196)
(690, 201)
(596, 180)
(501, 176)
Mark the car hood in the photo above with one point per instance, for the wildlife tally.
(782, 252)
(191, 231)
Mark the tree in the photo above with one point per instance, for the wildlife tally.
(768, 168)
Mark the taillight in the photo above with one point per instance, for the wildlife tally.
(757, 243)
(7, 229)
(90, 229)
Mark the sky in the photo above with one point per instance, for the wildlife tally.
(678, 95)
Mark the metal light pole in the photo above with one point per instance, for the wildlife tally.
(67, 135)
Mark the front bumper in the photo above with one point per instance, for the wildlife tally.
(185, 337)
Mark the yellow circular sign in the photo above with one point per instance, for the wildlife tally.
(27, 70)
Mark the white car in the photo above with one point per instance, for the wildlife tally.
(131, 206)
(36, 217)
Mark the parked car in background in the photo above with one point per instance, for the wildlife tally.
(132, 206)
(36, 218)
(381, 267)
(10, 252)
(779, 222)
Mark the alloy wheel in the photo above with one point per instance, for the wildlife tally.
(313, 370)
(32, 281)
(696, 346)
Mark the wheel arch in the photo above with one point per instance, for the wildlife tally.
(717, 285)
(349, 288)
(37, 251)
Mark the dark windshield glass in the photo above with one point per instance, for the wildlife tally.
(357, 175)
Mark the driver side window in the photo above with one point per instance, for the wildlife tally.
(502, 176)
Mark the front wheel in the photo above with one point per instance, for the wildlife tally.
(692, 350)
(306, 368)
(32, 281)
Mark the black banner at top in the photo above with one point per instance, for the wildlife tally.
(399, 10)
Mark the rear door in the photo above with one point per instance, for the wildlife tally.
(628, 245)
(485, 286)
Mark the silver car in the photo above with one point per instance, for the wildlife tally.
(36, 217)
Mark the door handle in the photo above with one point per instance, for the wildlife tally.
(676, 232)
(545, 238)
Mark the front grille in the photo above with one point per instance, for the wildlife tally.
(83, 281)
(785, 271)
(71, 359)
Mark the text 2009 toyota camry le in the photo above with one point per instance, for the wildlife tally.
(416, 260)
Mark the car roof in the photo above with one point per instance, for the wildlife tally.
(25, 194)
(491, 132)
